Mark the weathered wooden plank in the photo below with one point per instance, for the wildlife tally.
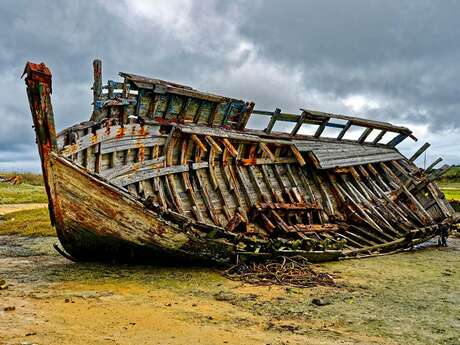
(213, 115)
(231, 134)
(432, 165)
(294, 183)
(306, 185)
(321, 128)
(350, 240)
(321, 185)
(97, 89)
(299, 123)
(265, 161)
(315, 228)
(379, 136)
(197, 141)
(256, 183)
(359, 121)
(231, 149)
(153, 104)
(419, 152)
(108, 133)
(149, 173)
(246, 114)
(398, 139)
(375, 158)
(367, 218)
(268, 183)
(268, 225)
(184, 109)
(265, 149)
(364, 135)
(279, 221)
(387, 203)
(437, 196)
(220, 191)
(374, 204)
(245, 187)
(146, 164)
(317, 117)
(295, 206)
(230, 180)
(170, 178)
(211, 165)
(344, 130)
(128, 143)
(207, 198)
(187, 183)
(282, 184)
(273, 120)
(174, 88)
(213, 143)
(334, 152)
(297, 155)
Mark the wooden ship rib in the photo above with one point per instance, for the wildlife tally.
(163, 170)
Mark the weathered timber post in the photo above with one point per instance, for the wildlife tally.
(97, 89)
(38, 81)
(246, 114)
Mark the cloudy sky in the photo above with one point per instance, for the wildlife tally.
(396, 61)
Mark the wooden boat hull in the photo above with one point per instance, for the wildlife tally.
(170, 189)
(96, 221)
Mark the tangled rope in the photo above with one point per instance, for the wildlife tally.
(293, 271)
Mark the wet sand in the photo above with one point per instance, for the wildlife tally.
(50, 300)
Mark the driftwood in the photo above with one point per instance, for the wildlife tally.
(14, 180)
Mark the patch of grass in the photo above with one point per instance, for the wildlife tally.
(452, 175)
(23, 193)
(452, 194)
(27, 223)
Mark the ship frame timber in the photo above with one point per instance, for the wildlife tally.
(162, 170)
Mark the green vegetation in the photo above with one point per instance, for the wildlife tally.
(31, 189)
(23, 193)
(451, 176)
(34, 223)
(450, 185)
(452, 194)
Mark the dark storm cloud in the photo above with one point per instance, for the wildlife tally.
(405, 51)
(67, 37)
(401, 58)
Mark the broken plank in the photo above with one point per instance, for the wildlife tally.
(298, 155)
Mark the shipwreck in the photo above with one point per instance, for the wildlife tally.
(162, 170)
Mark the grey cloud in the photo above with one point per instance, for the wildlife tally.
(288, 54)
(406, 52)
